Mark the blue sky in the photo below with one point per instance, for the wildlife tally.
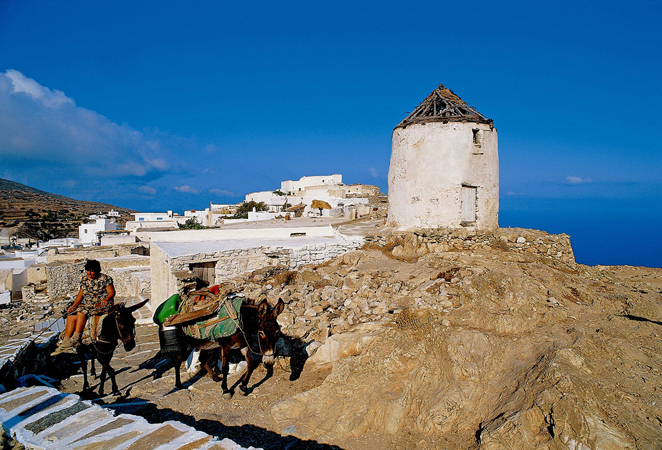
(169, 105)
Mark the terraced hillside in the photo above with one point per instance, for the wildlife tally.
(32, 213)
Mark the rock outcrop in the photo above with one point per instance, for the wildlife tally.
(502, 346)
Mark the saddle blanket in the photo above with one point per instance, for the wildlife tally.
(220, 325)
(93, 329)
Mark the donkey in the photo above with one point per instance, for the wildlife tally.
(256, 335)
(119, 325)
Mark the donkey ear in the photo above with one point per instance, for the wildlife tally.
(136, 306)
(263, 308)
(279, 307)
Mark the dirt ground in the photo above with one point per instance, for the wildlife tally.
(244, 419)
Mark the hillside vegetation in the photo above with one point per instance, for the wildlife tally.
(36, 214)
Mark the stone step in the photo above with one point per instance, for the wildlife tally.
(44, 418)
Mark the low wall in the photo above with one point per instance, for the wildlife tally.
(231, 234)
(73, 254)
(415, 243)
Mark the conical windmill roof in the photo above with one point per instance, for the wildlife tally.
(442, 105)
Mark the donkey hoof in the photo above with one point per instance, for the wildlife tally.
(244, 390)
(227, 395)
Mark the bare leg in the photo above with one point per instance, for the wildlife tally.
(80, 322)
(70, 326)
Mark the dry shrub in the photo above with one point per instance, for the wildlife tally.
(498, 244)
(434, 289)
(318, 285)
(387, 250)
(284, 278)
(418, 323)
(447, 274)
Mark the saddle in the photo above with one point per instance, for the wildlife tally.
(221, 324)
(93, 329)
(208, 313)
(199, 304)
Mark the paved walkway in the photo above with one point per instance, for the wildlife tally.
(44, 418)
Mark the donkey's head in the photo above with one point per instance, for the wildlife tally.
(126, 324)
(267, 330)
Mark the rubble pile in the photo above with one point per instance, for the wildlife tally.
(333, 297)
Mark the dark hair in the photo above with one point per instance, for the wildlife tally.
(93, 265)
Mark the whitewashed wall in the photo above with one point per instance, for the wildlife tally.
(430, 163)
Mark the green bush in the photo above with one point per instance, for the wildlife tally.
(244, 208)
(191, 224)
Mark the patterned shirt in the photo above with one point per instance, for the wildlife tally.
(95, 291)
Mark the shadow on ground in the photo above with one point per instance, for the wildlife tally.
(244, 435)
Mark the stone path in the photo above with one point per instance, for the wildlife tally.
(44, 418)
(50, 329)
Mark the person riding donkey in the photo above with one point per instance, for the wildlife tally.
(94, 298)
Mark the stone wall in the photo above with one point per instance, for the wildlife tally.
(232, 263)
(37, 273)
(73, 254)
(418, 242)
(131, 281)
(63, 277)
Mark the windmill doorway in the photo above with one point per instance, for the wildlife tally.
(468, 197)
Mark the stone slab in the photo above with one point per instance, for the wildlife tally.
(44, 418)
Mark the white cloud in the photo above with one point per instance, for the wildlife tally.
(44, 133)
(186, 188)
(22, 84)
(373, 172)
(147, 190)
(576, 180)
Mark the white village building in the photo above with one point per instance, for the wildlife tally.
(167, 220)
(444, 170)
(326, 188)
(89, 233)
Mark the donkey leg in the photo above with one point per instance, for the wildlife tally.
(252, 364)
(225, 363)
(108, 369)
(102, 381)
(178, 380)
(93, 369)
(207, 360)
(83, 364)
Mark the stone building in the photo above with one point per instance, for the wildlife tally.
(444, 168)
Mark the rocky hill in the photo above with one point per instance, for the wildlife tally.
(32, 213)
(438, 340)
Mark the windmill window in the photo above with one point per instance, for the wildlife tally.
(477, 138)
(477, 141)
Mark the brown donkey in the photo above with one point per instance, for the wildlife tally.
(256, 336)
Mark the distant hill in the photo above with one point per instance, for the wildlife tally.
(36, 214)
